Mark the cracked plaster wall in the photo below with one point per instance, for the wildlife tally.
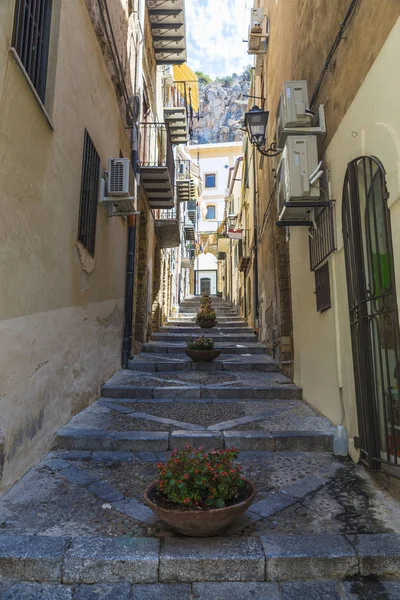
(61, 311)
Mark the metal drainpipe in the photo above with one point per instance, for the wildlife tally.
(245, 296)
(255, 278)
(131, 250)
(231, 273)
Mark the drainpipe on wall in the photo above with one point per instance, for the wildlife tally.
(255, 216)
(131, 251)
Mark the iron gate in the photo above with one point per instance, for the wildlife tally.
(373, 310)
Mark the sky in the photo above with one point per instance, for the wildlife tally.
(216, 29)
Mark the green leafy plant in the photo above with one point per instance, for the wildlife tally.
(205, 300)
(203, 78)
(206, 314)
(201, 343)
(199, 479)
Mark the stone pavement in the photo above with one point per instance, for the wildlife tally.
(75, 526)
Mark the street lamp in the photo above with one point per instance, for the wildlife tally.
(255, 122)
(232, 219)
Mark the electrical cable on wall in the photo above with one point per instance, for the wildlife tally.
(343, 26)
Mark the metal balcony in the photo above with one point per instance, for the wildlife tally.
(167, 19)
(185, 185)
(157, 165)
(188, 230)
(176, 117)
(167, 224)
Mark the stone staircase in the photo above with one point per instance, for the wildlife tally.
(318, 526)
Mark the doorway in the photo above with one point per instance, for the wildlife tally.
(205, 285)
(374, 319)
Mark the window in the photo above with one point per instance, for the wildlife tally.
(323, 288)
(211, 212)
(31, 39)
(89, 195)
(210, 180)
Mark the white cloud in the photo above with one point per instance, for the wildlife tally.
(216, 29)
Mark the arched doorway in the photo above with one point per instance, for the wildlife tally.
(373, 310)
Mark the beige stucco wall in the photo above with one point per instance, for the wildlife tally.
(60, 311)
(371, 126)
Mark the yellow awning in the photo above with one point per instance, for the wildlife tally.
(187, 81)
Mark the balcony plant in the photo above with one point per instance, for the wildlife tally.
(200, 492)
(201, 349)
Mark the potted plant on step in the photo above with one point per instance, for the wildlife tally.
(201, 349)
(206, 316)
(199, 493)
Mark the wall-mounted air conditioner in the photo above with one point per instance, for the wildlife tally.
(258, 32)
(114, 191)
(293, 110)
(118, 177)
(299, 173)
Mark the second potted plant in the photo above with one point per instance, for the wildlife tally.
(201, 349)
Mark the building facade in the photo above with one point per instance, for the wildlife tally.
(214, 161)
(327, 287)
(81, 82)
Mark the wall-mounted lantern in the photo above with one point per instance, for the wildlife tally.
(255, 122)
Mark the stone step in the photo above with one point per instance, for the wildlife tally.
(76, 438)
(364, 588)
(271, 392)
(161, 365)
(214, 334)
(226, 348)
(194, 328)
(222, 321)
(219, 313)
(271, 558)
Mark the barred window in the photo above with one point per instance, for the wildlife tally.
(323, 288)
(89, 195)
(31, 39)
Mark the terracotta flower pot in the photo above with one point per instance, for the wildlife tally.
(199, 523)
(207, 324)
(202, 355)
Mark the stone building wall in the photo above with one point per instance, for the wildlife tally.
(298, 46)
(61, 310)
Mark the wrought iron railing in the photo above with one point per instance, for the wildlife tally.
(322, 238)
(182, 169)
(156, 147)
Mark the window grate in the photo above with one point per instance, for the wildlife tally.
(89, 195)
(31, 40)
(323, 288)
(322, 239)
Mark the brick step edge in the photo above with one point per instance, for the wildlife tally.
(74, 438)
(91, 560)
(188, 366)
(258, 590)
(273, 392)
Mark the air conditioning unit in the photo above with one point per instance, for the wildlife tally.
(114, 192)
(293, 110)
(118, 177)
(258, 32)
(298, 179)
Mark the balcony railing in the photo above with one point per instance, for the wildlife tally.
(157, 164)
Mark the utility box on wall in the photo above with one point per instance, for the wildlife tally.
(293, 110)
(298, 164)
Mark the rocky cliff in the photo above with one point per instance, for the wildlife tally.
(222, 107)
